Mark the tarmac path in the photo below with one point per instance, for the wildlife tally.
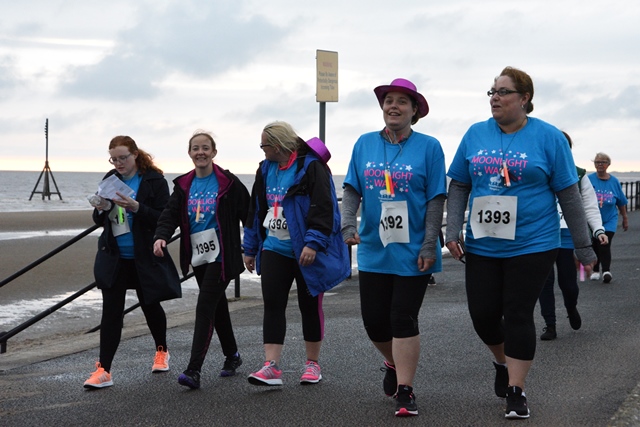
(583, 378)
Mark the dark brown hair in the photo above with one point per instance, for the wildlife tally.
(523, 83)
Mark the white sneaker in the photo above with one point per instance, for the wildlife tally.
(595, 276)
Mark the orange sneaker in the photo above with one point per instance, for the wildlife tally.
(161, 361)
(99, 379)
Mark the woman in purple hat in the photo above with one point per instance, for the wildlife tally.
(293, 232)
(397, 177)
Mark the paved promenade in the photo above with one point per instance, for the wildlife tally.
(588, 377)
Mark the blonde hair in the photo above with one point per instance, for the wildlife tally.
(282, 135)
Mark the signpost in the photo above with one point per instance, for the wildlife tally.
(326, 83)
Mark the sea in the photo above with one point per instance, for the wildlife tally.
(20, 191)
(69, 190)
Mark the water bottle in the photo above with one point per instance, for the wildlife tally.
(94, 200)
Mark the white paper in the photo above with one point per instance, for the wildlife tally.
(108, 187)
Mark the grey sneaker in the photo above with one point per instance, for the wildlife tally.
(549, 333)
(230, 365)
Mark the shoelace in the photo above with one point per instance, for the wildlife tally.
(160, 358)
(99, 375)
(267, 371)
(313, 369)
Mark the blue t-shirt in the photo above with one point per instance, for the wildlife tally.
(540, 164)
(417, 174)
(610, 196)
(125, 241)
(201, 205)
(277, 184)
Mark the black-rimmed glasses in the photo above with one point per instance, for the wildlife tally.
(119, 159)
(265, 145)
(501, 92)
(600, 162)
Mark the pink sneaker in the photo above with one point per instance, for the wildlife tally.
(268, 375)
(311, 373)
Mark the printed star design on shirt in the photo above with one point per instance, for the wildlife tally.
(408, 168)
(369, 164)
(493, 151)
(523, 156)
(479, 152)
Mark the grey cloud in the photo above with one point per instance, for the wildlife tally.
(202, 40)
(8, 78)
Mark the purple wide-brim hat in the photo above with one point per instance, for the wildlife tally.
(317, 146)
(404, 86)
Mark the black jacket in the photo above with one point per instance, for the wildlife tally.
(158, 276)
(232, 207)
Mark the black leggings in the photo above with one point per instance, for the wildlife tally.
(391, 304)
(507, 288)
(603, 252)
(278, 273)
(212, 312)
(113, 309)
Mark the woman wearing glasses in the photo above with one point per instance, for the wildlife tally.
(208, 203)
(510, 169)
(293, 233)
(611, 200)
(397, 177)
(125, 260)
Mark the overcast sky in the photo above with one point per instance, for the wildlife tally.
(157, 70)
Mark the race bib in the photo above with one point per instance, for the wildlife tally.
(204, 247)
(394, 223)
(494, 216)
(119, 221)
(276, 223)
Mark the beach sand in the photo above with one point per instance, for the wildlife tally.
(66, 273)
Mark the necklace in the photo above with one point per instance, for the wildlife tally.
(387, 168)
(504, 170)
(201, 196)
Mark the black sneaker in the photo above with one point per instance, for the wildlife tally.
(190, 379)
(574, 318)
(230, 365)
(549, 333)
(516, 404)
(390, 382)
(502, 380)
(406, 402)
(606, 277)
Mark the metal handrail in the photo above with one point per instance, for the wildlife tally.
(4, 336)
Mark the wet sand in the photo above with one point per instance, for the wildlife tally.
(65, 273)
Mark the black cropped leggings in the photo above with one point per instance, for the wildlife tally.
(391, 304)
(502, 295)
(278, 273)
(113, 309)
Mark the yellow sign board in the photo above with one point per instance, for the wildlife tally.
(327, 79)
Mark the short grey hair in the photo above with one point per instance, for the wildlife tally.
(603, 156)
